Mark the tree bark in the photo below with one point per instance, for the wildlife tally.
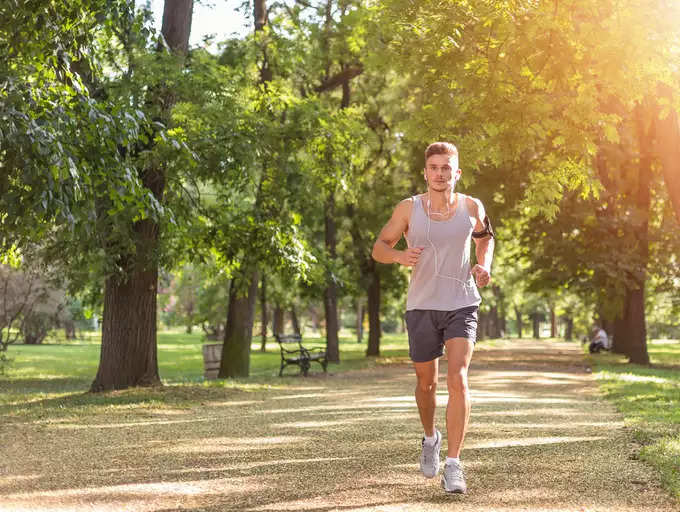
(70, 330)
(518, 317)
(294, 320)
(330, 296)
(361, 313)
(279, 321)
(128, 351)
(238, 333)
(128, 354)
(500, 310)
(569, 328)
(482, 325)
(374, 329)
(553, 323)
(263, 311)
(536, 322)
(621, 343)
(636, 307)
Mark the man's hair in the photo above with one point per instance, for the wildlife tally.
(440, 148)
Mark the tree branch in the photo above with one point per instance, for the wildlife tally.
(338, 79)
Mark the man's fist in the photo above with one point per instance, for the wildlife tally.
(482, 276)
(410, 256)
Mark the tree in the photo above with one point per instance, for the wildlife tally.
(29, 304)
(128, 352)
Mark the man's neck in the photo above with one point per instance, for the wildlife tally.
(441, 200)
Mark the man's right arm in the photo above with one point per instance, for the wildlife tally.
(391, 233)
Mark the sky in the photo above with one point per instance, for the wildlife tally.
(211, 17)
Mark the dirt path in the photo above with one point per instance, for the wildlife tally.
(539, 439)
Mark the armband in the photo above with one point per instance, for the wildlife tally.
(487, 231)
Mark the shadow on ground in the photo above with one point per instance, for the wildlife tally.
(539, 439)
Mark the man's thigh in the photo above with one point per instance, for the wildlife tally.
(459, 354)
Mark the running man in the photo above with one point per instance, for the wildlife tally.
(442, 303)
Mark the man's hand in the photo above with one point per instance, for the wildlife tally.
(482, 276)
(410, 256)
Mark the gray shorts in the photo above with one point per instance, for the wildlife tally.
(429, 329)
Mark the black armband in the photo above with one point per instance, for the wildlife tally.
(487, 231)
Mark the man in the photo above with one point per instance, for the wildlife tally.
(441, 309)
(600, 340)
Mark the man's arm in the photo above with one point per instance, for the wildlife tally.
(484, 246)
(391, 233)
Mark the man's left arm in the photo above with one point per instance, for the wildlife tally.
(483, 236)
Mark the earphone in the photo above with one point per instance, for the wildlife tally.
(428, 213)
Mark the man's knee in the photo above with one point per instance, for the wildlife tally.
(457, 382)
(427, 385)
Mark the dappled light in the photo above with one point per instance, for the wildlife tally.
(356, 437)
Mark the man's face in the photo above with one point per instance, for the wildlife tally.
(441, 172)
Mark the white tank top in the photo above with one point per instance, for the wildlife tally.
(441, 280)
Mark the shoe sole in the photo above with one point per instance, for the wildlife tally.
(430, 477)
(456, 491)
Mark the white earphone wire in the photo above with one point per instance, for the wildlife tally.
(428, 213)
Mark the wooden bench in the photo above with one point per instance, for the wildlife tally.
(292, 352)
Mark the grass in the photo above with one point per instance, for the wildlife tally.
(52, 379)
(649, 398)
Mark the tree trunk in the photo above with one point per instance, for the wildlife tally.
(278, 322)
(374, 329)
(569, 328)
(518, 317)
(553, 323)
(481, 325)
(314, 315)
(238, 334)
(621, 343)
(294, 320)
(70, 330)
(636, 307)
(536, 321)
(494, 324)
(263, 310)
(330, 296)
(361, 313)
(500, 311)
(128, 354)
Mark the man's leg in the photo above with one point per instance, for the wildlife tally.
(426, 393)
(459, 354)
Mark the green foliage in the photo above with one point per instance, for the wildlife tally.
(524, 83)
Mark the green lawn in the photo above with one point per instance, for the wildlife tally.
(56, 375)
(649, 398)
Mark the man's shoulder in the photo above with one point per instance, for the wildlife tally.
(407, 204)
(474, 205)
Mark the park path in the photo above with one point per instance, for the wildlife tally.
(540, 439)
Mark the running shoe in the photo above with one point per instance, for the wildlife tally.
(453, 479)
(429, 457)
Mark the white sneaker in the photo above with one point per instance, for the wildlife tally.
(453, 479)
(429, 457)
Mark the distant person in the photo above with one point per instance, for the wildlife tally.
(599, 340)
(442, 303)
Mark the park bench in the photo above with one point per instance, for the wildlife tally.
(293, 352)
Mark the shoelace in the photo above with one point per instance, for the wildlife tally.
(455, 471)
